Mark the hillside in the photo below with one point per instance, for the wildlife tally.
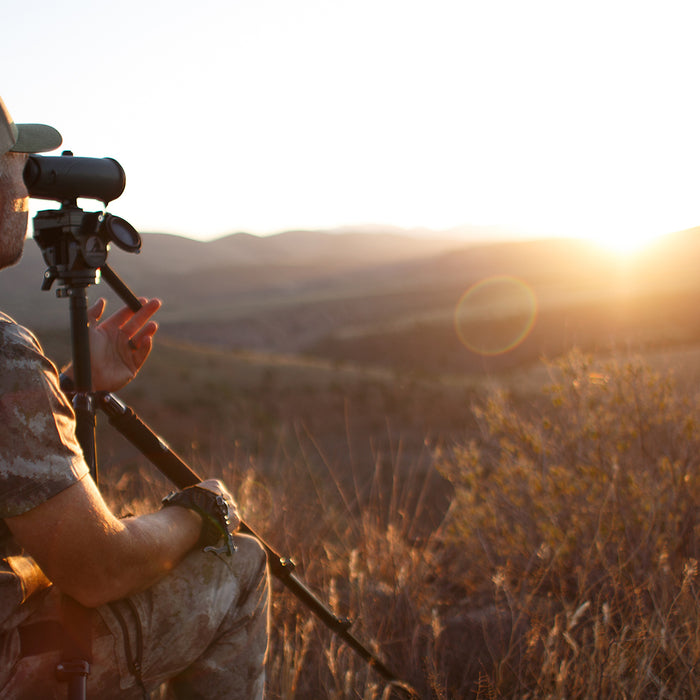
(223, 275)
(391, 300)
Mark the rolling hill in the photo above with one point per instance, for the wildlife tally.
(390, 299)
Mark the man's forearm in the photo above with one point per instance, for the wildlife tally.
(94, 557)
(145, 549)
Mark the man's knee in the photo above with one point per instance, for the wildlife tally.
(250, 548)
(249, 562)
(208, 606)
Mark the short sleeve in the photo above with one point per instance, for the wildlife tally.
(39, 453)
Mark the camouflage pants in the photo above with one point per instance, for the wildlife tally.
(202, 630)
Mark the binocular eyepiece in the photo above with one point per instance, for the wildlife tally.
(65, 178)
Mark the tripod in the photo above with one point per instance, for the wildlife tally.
(74, 244)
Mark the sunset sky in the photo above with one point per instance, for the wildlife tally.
(556, 118)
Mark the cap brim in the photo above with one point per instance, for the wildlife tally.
(36, 138)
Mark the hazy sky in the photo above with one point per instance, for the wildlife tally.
(262, 115)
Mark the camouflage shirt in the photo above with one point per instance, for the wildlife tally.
(39, 453)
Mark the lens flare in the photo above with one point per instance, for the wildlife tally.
(495, 315)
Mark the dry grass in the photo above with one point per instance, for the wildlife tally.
(566, 566)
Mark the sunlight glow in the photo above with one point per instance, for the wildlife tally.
(624, 243)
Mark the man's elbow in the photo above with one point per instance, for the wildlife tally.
(90, 597)
(94, 588)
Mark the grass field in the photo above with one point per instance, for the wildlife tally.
(529, 534)
(518, 524)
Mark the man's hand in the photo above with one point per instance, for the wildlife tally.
(120, 344)
(217, 509)
(218, 488)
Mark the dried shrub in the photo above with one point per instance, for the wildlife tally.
(582, 512)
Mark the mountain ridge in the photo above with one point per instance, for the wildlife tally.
(291, 291)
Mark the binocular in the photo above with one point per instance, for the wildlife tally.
(65, 178)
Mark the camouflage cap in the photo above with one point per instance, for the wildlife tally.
(25, 138)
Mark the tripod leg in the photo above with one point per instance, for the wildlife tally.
(74, 667)
(75, 674)
(83, 403)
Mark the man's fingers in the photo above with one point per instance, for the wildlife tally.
(146, 333)
(140, 319)
(131, 321)
(118, 318)
(142, 348)
(96, 310)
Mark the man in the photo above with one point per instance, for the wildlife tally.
(160, 609)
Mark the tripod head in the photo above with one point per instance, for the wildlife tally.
(75, 243)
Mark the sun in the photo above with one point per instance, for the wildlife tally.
(623, 242)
